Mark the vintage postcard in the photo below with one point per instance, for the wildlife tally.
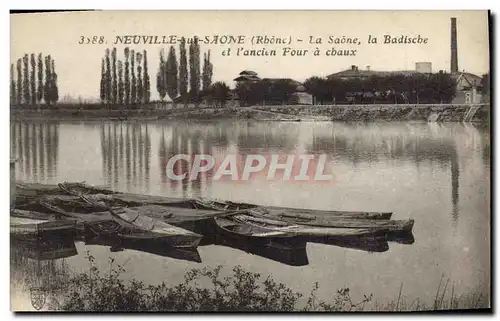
(250, 161)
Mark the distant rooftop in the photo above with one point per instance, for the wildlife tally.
(355, 72)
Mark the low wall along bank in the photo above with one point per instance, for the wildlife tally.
(406, 112)
(366, 113)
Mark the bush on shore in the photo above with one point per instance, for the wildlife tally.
(241, 291)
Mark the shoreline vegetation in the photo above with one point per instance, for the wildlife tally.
(241, 290)
(165, 111)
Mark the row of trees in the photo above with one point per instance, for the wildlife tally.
(390, 89)
(271, 92)
(415, 89)
(125, 82)
(175, 79)
(28, 86)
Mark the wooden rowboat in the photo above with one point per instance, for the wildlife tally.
(336, 222)
(257, 227)
(44, 248)
(145, 227)
(128, 223)
(297, 214)
(38, 227)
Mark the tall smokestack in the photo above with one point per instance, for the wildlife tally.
(454, 53)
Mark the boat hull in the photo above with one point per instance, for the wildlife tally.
(33, 227)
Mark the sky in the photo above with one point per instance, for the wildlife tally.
(79, 65)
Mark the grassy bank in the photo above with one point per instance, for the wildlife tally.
(240, 291)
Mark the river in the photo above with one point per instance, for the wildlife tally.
(435, 173)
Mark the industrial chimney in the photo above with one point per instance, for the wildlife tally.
(454, 53)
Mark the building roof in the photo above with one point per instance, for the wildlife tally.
(248, 73)
(291, 81)
(247, 78)
(356, 73)
(471, 79)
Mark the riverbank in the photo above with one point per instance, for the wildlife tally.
(211, 289)
(349, 113)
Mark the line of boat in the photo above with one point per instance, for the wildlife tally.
(185, 223)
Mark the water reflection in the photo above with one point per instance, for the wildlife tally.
(36, 148)
(126, 153)
(127, 149)
(437, 174)
(38, 267)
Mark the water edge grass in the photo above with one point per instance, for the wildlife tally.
(242, 290)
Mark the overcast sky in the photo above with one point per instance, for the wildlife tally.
(79, 66)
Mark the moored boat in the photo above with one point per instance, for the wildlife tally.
(258, 227)
(128, 223)
(338, 222)
(38, 227)
(48, 247)
(298, 214)
(147, 228)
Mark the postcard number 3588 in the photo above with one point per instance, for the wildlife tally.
(94, 40)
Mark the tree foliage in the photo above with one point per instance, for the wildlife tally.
(114, 84)
(26, 82)
(121, 87)
(103, 82)
(183, 71)
(266, 91)
(133, 80)
(194, 69)
(207, 71)
(108, 77)
(40, 79)
(19, 98)
(47, 90)
(146, 82)
(171, 74)
(12, 85)
(161, 84)
(127, 76)
(54, 95)
(33, 93)
(393, 89)
(139, 86)
(219, 93)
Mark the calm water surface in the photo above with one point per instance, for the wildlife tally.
(437, 174)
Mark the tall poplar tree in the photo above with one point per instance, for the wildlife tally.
(207, 72)
(114, 85)
(19, 82)
(121, 87)
(139, 90)
(108, 77)
(26, 82)
(48, 81)
(183, 72)
(160, 77)
(32, 79)
(12, 86)
(194, 68)
(127, 77)
(146, 83)
(39, 96)
(54, 88)
(133, 82)
(103, 82)
(171, 74)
